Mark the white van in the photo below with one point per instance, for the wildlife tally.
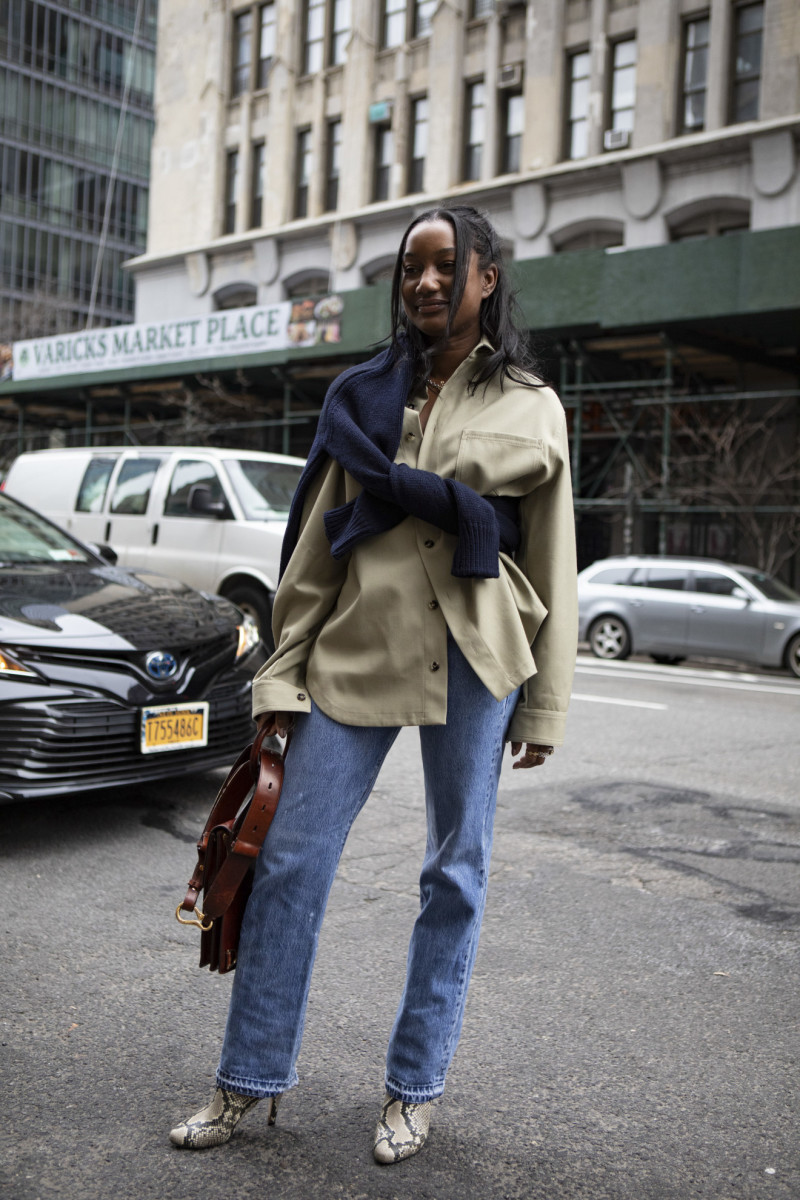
(211, 517)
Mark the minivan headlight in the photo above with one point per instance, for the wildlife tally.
(248, 636)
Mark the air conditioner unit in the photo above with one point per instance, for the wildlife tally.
(616, 139)
(509, 77)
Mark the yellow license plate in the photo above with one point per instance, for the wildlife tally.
(174, 727)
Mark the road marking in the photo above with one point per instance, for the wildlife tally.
(683, 677)
(613, 700)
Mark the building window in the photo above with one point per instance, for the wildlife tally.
(623, 85)
(578, 118)
(513, 124)
(266, 43)
(747, 62)
(474, 126)
(481, 8)
(394, 23)
(588, 235)
(333, 156)
(302, 172)
(419, 144)
(257, 188)
(242, 52)
(423, 16)
(231, 190)
(732, 217)
(402, 20)
(695, 74)
(340, 32)
(314, 39)
(384, 154)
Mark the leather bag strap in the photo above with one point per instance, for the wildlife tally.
(255, 768)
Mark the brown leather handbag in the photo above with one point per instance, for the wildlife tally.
(226, 853)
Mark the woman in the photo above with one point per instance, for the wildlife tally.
(429, 548)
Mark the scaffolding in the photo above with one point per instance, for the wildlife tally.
(623, 440)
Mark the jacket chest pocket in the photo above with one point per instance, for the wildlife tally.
(500, 463)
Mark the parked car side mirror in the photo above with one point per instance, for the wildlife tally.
(201, 504)
(740, 594)
(106, 552)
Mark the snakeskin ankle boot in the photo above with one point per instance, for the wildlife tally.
(215, 1123)
(402, 1129)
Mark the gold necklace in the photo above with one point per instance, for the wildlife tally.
(436, 385)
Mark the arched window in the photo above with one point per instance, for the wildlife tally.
(588, 235)
(307, 284)
(379, 270)
(708, 218)
(235, 295)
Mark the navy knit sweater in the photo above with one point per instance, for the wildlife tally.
(360, 426)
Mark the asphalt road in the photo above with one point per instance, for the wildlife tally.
(632, 1028)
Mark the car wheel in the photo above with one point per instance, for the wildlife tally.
(609, 638)
(667, 660)
(793, 655)
(255, 602)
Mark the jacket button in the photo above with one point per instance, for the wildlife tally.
(433, 604)
(434, 666)
(301, 695)
(429, 543)
(411, 437)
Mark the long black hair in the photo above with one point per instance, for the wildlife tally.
(511, 354)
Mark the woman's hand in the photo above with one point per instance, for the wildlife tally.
(275, 722)
(534, 755)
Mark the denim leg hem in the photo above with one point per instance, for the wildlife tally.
(257, 1088)
(411, 1094)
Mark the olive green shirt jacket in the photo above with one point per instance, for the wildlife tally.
(366, 635)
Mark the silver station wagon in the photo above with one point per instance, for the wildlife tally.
(673, 608)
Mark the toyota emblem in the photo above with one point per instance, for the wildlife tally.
(160, 664)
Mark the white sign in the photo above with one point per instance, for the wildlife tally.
(236, 331)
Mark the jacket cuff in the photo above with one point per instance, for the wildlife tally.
(542, 727)
(276, 695)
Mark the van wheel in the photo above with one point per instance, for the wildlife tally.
(256, 603)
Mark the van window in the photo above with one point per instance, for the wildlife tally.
(134, 482)
(94, 485)
(264, 489)
(187, 474)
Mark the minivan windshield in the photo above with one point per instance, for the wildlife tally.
(28, 538)
(264, 489)
(773, 589)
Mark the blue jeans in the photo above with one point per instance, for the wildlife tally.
(330, 771)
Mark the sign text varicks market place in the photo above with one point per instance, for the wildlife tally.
(234, 332)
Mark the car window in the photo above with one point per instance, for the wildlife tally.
(132, 490)
(94, 484)
(612, 575)
(25, 537)
(670, 579)
(773, 589)
(715, 584)
(264, 489)
(188, 473)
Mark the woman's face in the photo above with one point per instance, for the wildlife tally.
(429, 264)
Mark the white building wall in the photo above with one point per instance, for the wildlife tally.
(637, 190)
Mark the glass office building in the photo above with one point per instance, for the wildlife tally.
(76, 124)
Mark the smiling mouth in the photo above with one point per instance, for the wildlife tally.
(431, 305)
